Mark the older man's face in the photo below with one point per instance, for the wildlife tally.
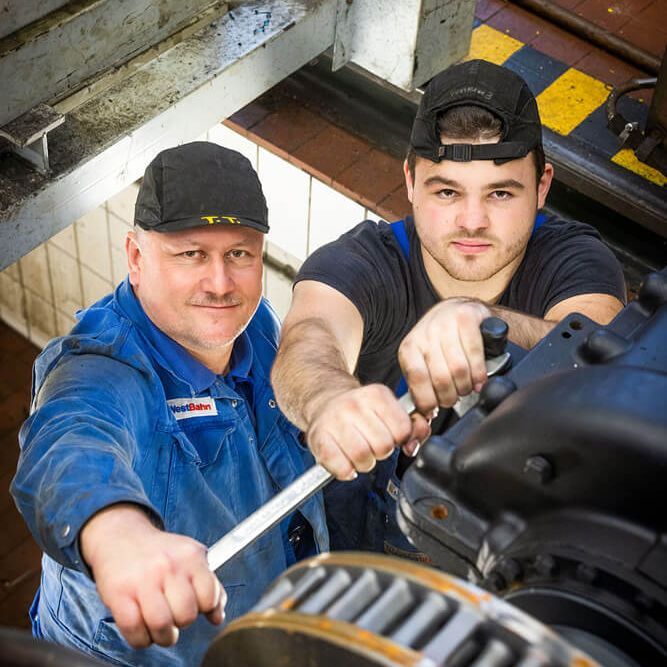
(200, 286)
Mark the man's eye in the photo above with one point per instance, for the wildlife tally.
(238, 254)
(446, 193)
(191, 254)
(501, 194)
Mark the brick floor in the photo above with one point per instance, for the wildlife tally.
(623, 18)
(608, 68)
(568, 4)
(651, 36)
(373, 178)
(287, 128)
(487, 8)
(518, 23)
(396, 205)
(19, 555)
(561, 45)
(329, 153)
(281, 124)
(608, 15)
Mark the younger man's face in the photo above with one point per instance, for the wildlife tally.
(474, 219)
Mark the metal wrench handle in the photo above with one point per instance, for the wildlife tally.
(268, 515)
(293, 496)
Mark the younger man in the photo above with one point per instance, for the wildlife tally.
(406, 300)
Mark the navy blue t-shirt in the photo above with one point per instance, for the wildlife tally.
(563, 259)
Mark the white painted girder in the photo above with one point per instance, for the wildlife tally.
(106, 143)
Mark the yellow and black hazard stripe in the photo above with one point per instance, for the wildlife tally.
(571, 103)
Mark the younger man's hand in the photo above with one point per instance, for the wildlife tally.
(442, 358)
(352, 430)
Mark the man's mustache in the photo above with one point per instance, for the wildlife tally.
(209, 299)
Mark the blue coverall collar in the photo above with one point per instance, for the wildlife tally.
(172, 356)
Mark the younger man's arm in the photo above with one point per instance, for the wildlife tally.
(348, 426)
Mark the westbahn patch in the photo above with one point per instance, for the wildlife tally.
(186, 408)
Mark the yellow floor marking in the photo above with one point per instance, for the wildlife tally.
(626, 158)
(492, 45)
(564, 104)
(570, 99)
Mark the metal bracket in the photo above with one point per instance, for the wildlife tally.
(27, 134)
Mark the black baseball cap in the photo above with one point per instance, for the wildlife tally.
(199, 184)
(482, 84)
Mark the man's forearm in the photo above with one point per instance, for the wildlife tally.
(524, 330)
(309, 369)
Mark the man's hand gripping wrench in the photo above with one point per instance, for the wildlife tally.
(494, 334)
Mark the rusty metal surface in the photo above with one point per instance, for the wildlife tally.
(359, 644)
(106, 142)
(366, 609)
(54, 55)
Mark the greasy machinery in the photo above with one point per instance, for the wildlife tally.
(548, 495)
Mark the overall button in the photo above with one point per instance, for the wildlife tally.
(234, 402)
(272, 403)
(66, 530)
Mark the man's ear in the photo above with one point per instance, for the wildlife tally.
(409, 181)
(133, 252)
(544, 184)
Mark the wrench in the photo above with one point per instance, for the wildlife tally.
(310, 482)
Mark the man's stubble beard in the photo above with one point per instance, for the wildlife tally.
(471, 269)
(476, 268)
(197, 340)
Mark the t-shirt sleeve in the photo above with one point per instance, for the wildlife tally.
(568, 259)
(366, 267)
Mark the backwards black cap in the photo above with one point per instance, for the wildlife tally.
(200, 184)
(482, 84)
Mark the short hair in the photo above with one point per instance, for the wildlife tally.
(474, 123)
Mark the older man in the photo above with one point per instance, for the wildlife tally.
(391, 307)
(154, 429)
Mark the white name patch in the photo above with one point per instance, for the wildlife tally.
(185, 408)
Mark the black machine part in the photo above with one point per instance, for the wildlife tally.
(18, 648)
(649, 144)
(551, 492)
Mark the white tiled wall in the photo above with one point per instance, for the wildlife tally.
(331, 214)
(40, 294)
(287, 192)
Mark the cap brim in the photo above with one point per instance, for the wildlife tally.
(192, 223)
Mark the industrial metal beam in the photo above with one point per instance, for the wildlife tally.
(54, 55)
(405, 43)
(105, 144)
(17, 14)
